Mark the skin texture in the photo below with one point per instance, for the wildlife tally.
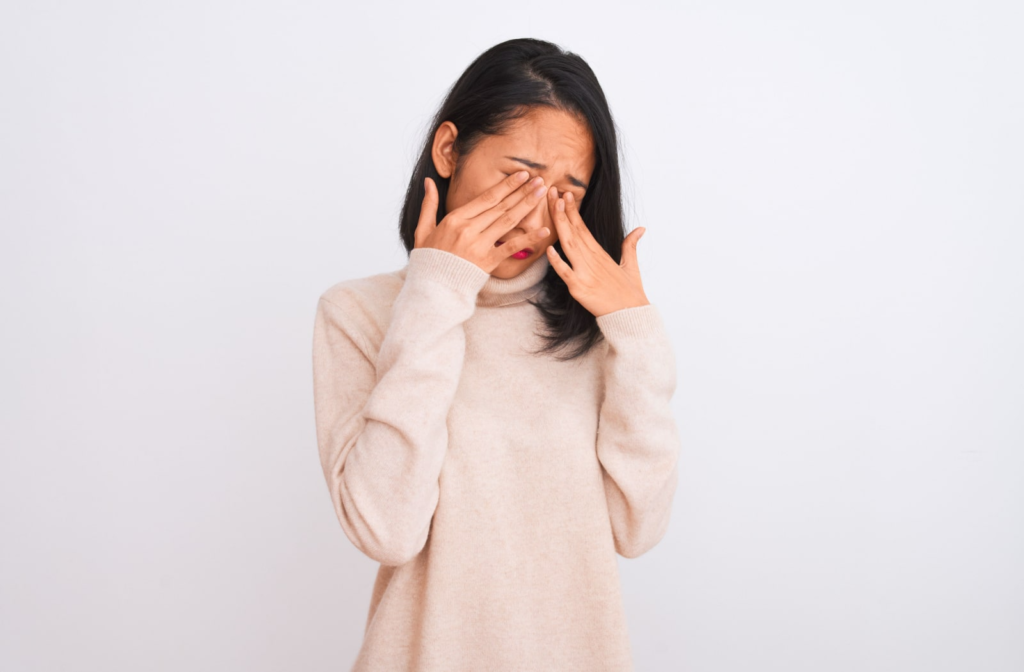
(546, 136)
(562, 143)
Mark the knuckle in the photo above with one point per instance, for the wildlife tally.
(493, 197)
(526, 206)
(505, 221)
(503, 205)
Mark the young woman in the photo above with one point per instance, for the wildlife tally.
(494, 418)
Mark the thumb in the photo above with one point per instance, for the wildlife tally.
(629, 247)
(428, 213)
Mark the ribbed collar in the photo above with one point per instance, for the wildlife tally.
(506, 291)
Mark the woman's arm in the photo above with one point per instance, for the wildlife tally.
(382, 429)
(637, 438)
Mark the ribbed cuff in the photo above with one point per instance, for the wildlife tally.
(447, 268)
(636, 322)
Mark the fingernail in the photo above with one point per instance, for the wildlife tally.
(539, 191)
(561, 205)
(537, 180)
(522, 175)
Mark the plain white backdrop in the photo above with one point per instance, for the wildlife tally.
(834, 202)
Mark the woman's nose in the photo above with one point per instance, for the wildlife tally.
(538, 217)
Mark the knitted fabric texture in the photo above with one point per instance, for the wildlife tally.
(494, 486)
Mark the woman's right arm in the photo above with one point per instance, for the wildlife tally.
(382, 429)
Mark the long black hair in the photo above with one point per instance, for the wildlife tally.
(503, 84)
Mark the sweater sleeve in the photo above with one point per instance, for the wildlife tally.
(638, 441)
(382, 426)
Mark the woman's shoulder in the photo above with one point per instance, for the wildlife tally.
(362, 306)
(365, 292)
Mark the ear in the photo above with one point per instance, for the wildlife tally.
(443, 150)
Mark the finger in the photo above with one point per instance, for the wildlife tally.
(561, 267)
(519, 198)
(495, 195)
(561, 222)
(428, 212)
(508, 219)
(579, 234)
(629, 259)
(520, 242)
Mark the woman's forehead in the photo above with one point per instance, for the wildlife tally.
(546, 138)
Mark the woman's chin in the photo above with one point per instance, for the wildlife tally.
(511, 267)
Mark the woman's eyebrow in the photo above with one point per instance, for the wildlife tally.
(541, 166)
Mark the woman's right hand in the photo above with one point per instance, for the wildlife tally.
(471, 230)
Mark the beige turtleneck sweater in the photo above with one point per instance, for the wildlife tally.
(493, 485)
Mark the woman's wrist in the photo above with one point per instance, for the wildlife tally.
(446, 268)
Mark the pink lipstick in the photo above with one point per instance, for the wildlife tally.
(521, 254)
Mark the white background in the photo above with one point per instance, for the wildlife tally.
(834, 204)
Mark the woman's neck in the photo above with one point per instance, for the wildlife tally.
(506, 291)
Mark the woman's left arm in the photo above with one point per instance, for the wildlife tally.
(638, 441)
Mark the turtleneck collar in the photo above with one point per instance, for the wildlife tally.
(506, 291)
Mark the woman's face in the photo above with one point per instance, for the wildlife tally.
(546, 142)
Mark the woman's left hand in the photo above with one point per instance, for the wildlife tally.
(594, 279)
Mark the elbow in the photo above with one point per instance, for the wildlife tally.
(639, 526)
(640, 537)
(389, 537)
(387, 544)
(391, 554)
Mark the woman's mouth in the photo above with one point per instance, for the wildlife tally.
(521, 254)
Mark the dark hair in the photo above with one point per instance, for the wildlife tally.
(502, 85)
